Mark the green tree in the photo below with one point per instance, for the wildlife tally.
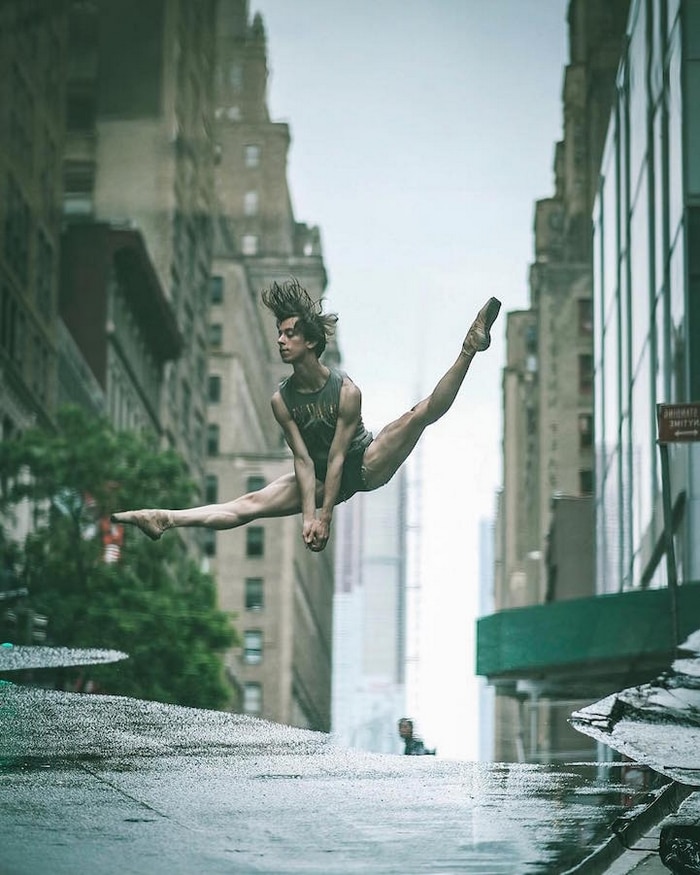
(154, 602)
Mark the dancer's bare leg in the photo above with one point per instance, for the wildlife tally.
(279, 498)
(394, 443)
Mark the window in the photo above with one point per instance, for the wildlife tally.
(216, 334)
(21, 118)
(254, 600)
(39, 365)
(8, 428)
(252, 646)
(44, 275)
(8, 322)
(585, 317)
(185, 408)
(255, 482)
(198, 432)
(214, 389)
(209, 542)
(211, 489)
(249, 244)
(81, 112)
(17, 230)
(255, 541)
(251, 156)
(235, 76)
(212, 439)
(47, 179)
(252, 698)
(585, 374)
(585, 480)
(585, 431)
(250, 203)
(216, 290)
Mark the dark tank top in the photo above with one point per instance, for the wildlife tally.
(316, 415)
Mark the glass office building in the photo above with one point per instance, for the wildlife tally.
(647, 297)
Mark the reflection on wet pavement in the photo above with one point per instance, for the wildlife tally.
(107, 784)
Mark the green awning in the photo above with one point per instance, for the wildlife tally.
(608, 635)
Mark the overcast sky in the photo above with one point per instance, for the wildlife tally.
(422, 135)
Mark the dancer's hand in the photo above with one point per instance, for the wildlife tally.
(307, 531)
(316, 537)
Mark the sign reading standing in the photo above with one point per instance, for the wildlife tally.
(678, 422)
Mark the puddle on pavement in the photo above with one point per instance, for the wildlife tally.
(23, 658)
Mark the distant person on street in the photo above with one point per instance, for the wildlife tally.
(413, 746)
(319, 411)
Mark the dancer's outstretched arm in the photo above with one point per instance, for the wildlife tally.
(349, 411)
(303, 466)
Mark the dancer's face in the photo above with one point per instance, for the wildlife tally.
(291, 342)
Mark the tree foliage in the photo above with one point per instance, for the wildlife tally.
(154, 603)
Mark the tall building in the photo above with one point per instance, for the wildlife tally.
(108, 149)
(548, 390)
(369, 638)
(140, 155)
(645, 309)
(281, 592)
(116, 313)
(647, 298)
(33, 64)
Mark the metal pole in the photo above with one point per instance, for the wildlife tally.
(668, 539)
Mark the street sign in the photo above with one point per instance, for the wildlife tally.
(678, 423)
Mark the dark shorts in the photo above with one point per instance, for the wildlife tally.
(353, 479)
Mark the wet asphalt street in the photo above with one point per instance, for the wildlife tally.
(94, 785)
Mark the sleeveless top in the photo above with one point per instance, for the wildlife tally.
(316, 415)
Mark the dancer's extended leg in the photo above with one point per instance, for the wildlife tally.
(394, 443)
(279, 498)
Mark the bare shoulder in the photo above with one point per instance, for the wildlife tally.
(350, 399)
(349, 388)
(279, 408)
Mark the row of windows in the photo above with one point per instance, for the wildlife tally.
(37, 46)
(254, 483)
(21, 138)
(16, 248)
(639, 290)
(16, 231)
(254, 542)
(26, 349)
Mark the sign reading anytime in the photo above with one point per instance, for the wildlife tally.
(678, 422)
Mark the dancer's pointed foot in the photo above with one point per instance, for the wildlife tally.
(151, 522)
(479, 335)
